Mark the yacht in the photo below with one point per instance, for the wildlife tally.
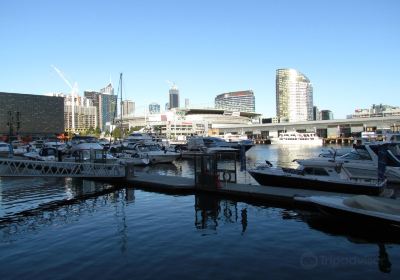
(329, 179)
(362, 160)
(5, 149)
(154, 152)
(307, 138)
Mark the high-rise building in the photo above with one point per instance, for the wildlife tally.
(154, 108)
(105, 101)
(128, 108)
(173, 97)
(238, 101)
(187, 103)
(326, 115)
(85, 114)
(294, 96)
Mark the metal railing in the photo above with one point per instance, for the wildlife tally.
(29, 168)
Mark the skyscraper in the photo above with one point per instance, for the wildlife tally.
(238, 101)
(294, 96)
(106, 102)
(128, 108)
(173, 97)
(154, 108)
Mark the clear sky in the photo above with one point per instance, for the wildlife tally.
(349, 49)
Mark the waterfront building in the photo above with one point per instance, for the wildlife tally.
(173, 97)
(316, 114)
(105, 101)
(29, 114)
(128, 108)
(376, 111)
(238, 101)
(154, 108)
(180, 123)
(85, 114)
(294, 96)
(326, 115)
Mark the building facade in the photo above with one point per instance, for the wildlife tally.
(28, 114)
(376, 111)
(294, 96)
(326, 115)
(173, 97)
(238, 101)
(106, 103)
(128, 108)
(154, 108)
(82, 116)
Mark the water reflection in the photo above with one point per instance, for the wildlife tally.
(357, 233)
(210, 210)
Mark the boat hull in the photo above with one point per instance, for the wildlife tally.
(334, 206)
(292, 181)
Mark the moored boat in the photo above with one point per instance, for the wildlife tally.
(360, 208)
(330, 179)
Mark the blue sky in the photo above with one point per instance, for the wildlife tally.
(348, 49)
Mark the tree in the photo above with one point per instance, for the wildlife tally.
(107, 133)
(97, 132)
(117, 133)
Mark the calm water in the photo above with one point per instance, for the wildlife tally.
(57, 229)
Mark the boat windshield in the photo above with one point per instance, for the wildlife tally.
(358, 154)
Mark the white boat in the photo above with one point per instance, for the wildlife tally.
(5, 149)
(138, 137)
(362, 161)
(135, 159)
(358, 208)
(294, 137)
(153, 152)
(43, 154)
(330, 179)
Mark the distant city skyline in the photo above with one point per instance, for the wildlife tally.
(350, 54)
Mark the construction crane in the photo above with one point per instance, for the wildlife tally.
(172, 84)
(74, 90)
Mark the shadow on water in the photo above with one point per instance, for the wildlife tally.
(354, 232)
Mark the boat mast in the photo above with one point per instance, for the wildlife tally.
(120, 85)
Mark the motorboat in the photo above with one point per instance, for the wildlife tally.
(5, 149)
(138, 137)
(154, 152)
(362, 160)
(199, 145)
(358, 208)
(325, 178)
(299, 138)
(43, 154)
(134, 159)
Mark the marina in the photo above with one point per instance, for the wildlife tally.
(136, 216)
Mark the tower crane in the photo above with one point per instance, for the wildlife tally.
(74, 90)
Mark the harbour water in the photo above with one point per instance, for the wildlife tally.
(65, 229)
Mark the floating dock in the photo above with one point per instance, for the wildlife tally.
(184, 185)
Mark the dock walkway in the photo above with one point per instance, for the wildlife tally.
(177, 184)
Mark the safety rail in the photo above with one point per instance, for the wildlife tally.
(29, 168)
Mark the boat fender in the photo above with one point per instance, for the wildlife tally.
(226, 176)
(269, 164)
